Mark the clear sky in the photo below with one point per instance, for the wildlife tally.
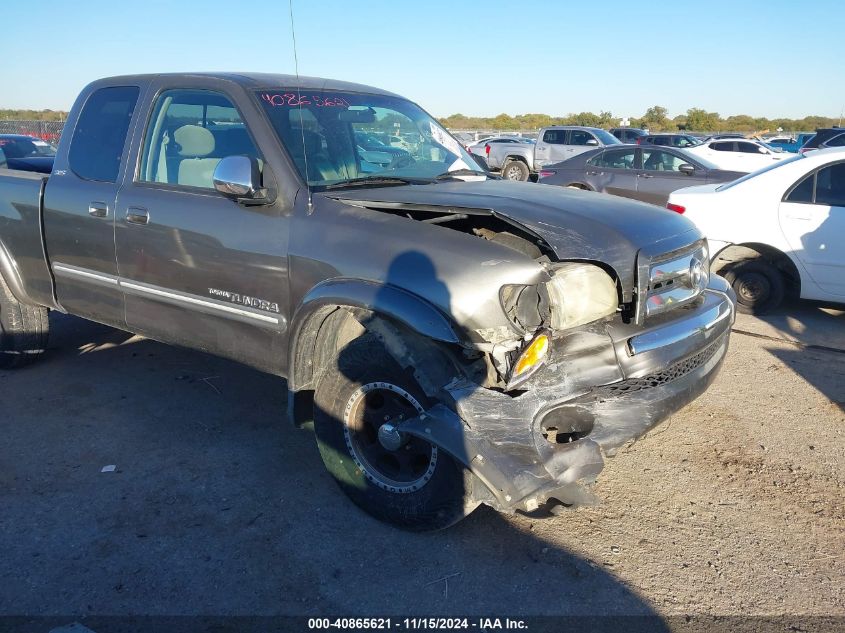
(775, 58)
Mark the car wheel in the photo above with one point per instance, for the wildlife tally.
(515, 170)
(24, 330)
(759, 286)
(402, 480)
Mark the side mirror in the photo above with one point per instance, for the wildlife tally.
(762, 150)
(686, 168)
(239, 178)
(592, 142)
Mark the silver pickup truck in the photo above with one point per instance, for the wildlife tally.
(454, 339)
(517, 161)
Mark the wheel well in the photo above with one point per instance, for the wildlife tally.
(777, 258)
(521, 159)
(579, 185)
(331, 328)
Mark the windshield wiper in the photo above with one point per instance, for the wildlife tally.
(378, 180)
(447, 175)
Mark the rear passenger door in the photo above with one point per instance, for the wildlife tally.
(661, 175)
(550, 147)
(197, 268)
(79, 204)
(613, 171)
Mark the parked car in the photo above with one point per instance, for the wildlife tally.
(824, 137)
(554, 144)
(482, 147)
(642, 172)
(372, 143)
(670, 140)
(455, 339)
(789, 143)
(27, 153)
(737, 155)
(776, 232)
(628, 134)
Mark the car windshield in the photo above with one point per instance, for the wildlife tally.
(335, 137)
(776, 165)
(26, 147)
(606, 137)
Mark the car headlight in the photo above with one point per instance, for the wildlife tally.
(580, 293)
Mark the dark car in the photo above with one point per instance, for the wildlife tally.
(628, 134)
(823, 137)
(646, 173)
(27, 153)
(670, 140)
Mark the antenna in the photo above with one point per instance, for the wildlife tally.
(299, 98)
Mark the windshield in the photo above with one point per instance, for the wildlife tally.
(335, 137)
(26, 147)
(780, 163)
(606, 137)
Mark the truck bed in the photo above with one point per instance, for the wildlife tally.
(28, 275)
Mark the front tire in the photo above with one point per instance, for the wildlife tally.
(759, 286)
(413, 486)
(24, 330)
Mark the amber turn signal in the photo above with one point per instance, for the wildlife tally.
(530, 360)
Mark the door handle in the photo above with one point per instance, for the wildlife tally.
(645, 176)
(98, 209)
(594, 173)
(137, 215)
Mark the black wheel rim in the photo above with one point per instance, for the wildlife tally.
(753, 288)
(400, 471)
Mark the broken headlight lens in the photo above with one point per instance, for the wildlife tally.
(580, 293)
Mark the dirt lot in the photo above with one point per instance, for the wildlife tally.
(217, 506)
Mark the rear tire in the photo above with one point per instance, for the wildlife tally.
(515, 170)
(24, 330)
(415, 487)
(759, 286)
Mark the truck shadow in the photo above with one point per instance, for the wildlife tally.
(815, 333)
(217, 506)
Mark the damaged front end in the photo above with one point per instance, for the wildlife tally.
(587, 375)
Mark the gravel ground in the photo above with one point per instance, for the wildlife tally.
(217, 507)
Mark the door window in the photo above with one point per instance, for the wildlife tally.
(555, 137)
(188, 135)
(836, 141)
(100, 134)
(580, 137)
(750, 148)
(614, 159)
(724, 146)
(825, 187)
(658, 160)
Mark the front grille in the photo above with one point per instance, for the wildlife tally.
(671, 280)
(673, 372)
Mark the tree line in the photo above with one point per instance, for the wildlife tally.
(655, 119)
(33, 115)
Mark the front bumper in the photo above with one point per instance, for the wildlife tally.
(604, 386)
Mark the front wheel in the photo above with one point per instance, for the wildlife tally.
(359, 405)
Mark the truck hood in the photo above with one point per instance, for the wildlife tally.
(577, 225)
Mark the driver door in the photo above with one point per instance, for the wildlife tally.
(661, 175)
(198, 268)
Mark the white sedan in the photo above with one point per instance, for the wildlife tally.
(738, 154)
(779, 231)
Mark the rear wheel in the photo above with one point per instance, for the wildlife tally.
(759, 285)
(359, 405)
(515, 170)
(23, 330)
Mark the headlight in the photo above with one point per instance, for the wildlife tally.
(579, 294)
